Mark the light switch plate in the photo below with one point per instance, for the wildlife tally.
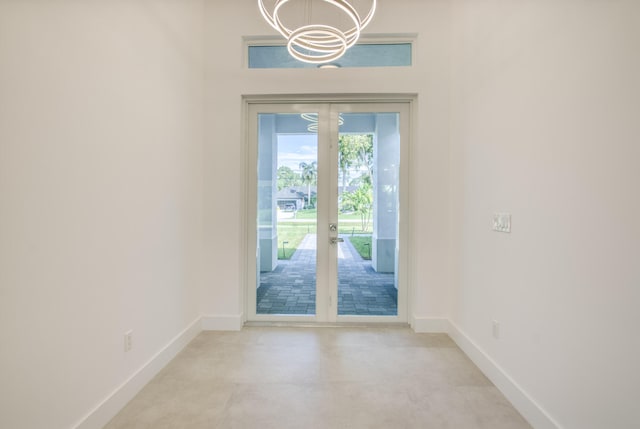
(496, 329)
(502, 222)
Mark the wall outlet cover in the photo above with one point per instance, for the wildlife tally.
(502, 222)
(128, 341)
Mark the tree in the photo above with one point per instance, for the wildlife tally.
(361, 202)
(310, 177)
(346, 157)
(364, 158)
(287, 178)
(355, 150)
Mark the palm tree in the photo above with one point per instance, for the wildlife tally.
(347, 156)
(309, 176)
(364, 156)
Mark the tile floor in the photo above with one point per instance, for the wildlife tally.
(275, 377)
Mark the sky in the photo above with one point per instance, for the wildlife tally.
(296, 148)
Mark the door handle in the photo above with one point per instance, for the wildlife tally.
(336, 240)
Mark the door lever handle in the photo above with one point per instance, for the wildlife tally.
(336, 240)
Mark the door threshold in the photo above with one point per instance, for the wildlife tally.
(360, 325)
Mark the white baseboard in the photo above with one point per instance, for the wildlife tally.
(222, 323)
(107, 409)
(423, 325)
(530, 410)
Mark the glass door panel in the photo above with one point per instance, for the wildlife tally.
(368, 217)
(287, 174)
(326, 231)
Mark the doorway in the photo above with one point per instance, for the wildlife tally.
(326, 239)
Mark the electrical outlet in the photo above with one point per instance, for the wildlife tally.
(502, 222)
(496, 329)
(128, 341)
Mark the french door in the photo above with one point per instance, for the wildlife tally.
(326, 228)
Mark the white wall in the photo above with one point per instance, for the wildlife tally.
(228, 80)
(545, 125)
(101, 131)
(528, 107)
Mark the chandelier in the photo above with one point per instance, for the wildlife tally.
(313, 118)
(317, 42)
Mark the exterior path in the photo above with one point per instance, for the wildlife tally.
(290, 288)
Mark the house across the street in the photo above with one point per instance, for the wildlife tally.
(293, 198)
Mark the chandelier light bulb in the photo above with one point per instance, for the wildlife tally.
(318, 43)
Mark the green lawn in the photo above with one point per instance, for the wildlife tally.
(293, 233)
(313, 214)
(306, 214)
(349, 216)
(354, 228)
(290, 234)
(362, 243)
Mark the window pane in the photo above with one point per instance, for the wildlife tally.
(369, 178)
(363, 55)
(287, 217)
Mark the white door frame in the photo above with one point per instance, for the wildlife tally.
(328, 109)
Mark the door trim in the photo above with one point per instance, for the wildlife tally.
(248, 275)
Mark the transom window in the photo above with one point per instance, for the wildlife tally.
(270, 56)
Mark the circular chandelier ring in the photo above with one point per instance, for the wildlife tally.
(267, 16)
(344, 5)
(362, 23)
(327, 55)
(322, 39)
(303, 35)
(300, 38)
(313, 118)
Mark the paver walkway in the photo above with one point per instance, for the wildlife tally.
(290, 288)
